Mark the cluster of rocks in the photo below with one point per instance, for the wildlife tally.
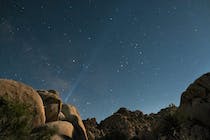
(189, 121)
(39, 114)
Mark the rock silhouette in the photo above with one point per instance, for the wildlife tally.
(41, 115)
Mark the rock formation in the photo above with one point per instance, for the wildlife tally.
(195, 101)
(52, 104)
(36, 115)
(72, 115)
(189, 121)
(41, 115)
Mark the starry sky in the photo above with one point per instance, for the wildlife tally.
(105, 54)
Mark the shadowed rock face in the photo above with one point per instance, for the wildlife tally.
(52, 104)
(125, 121)
(93, 131)
(195, 101)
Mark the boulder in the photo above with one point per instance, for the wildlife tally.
(57, 130)
(72, 115)
(195, 101)
(19, 93)
(52, 104)
(62, 128)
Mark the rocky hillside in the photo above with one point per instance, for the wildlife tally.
(28, 114)
(189, 121)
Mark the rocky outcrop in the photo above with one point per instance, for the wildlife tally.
(37, 115)
(126, 122)
(123, 124)
(195, 101)
(189, 121)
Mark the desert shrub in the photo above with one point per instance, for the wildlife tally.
(42, 133)
(15, 120)
(168, 123)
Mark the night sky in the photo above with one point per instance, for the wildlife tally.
(105, 54)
